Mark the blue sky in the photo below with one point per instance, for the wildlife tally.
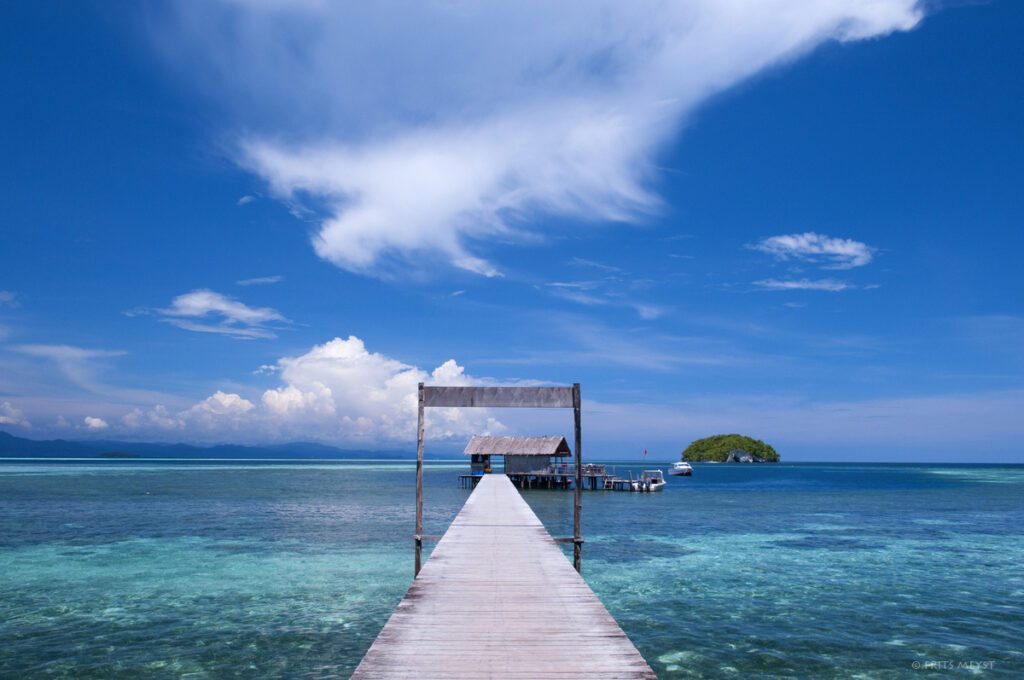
(262, 221)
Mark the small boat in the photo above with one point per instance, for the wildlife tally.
(649, 480)
(681, 468)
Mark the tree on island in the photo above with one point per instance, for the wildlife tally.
(717, 449)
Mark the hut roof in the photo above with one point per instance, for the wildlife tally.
(518, 446)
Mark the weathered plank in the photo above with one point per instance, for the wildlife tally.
(521, 397)
(498, 599)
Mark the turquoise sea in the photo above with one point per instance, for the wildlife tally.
(227, 569)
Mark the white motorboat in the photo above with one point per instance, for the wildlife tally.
(649, 480)
(681, 468)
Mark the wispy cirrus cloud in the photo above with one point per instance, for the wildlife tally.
(76, 363)
(831, 285)
(597, 294)
(9, 299)
(260, 280)
(83, 368)
(825, 251)
(582, 262)
(206, 311)
(615, 288)
(418, 132)
(584, 342)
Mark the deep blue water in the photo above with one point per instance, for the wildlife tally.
(149, 569)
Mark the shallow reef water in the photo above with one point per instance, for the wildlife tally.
(182, 569)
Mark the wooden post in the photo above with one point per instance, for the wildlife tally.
(577, 537)
(419, 486)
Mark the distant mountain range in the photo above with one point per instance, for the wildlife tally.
(19, 447)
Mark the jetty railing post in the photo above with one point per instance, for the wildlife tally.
(577, 538)
(419, 486)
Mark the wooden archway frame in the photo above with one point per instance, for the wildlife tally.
(500, 397)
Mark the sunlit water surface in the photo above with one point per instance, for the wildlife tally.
(173, 569)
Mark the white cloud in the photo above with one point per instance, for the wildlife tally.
(92, 423)
(8, 299)
(245, 199)
(366, 396)
(803, 284)
(158, 417)
(337, 392)
(233, 317)
(418, 131)
(836, 253)
(12, 416)
(260, 280)
(224, 416)
(221, 404)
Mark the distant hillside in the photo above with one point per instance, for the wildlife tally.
(717, 449)
(19, 447)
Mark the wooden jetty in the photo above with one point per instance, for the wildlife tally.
(498, 599)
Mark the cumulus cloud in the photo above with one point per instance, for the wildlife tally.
(229, 316)
(365, 395)
(831, 285)
(830, 253)
(426, 129)
(157, 417)
(221, 404)
(92, 423)
(338, 392)
(12, 416)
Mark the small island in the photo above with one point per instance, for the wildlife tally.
(730, 448)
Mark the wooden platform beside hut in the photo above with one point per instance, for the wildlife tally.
(536, 463)
(498, 599)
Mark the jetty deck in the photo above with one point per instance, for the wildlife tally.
(498, 599)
